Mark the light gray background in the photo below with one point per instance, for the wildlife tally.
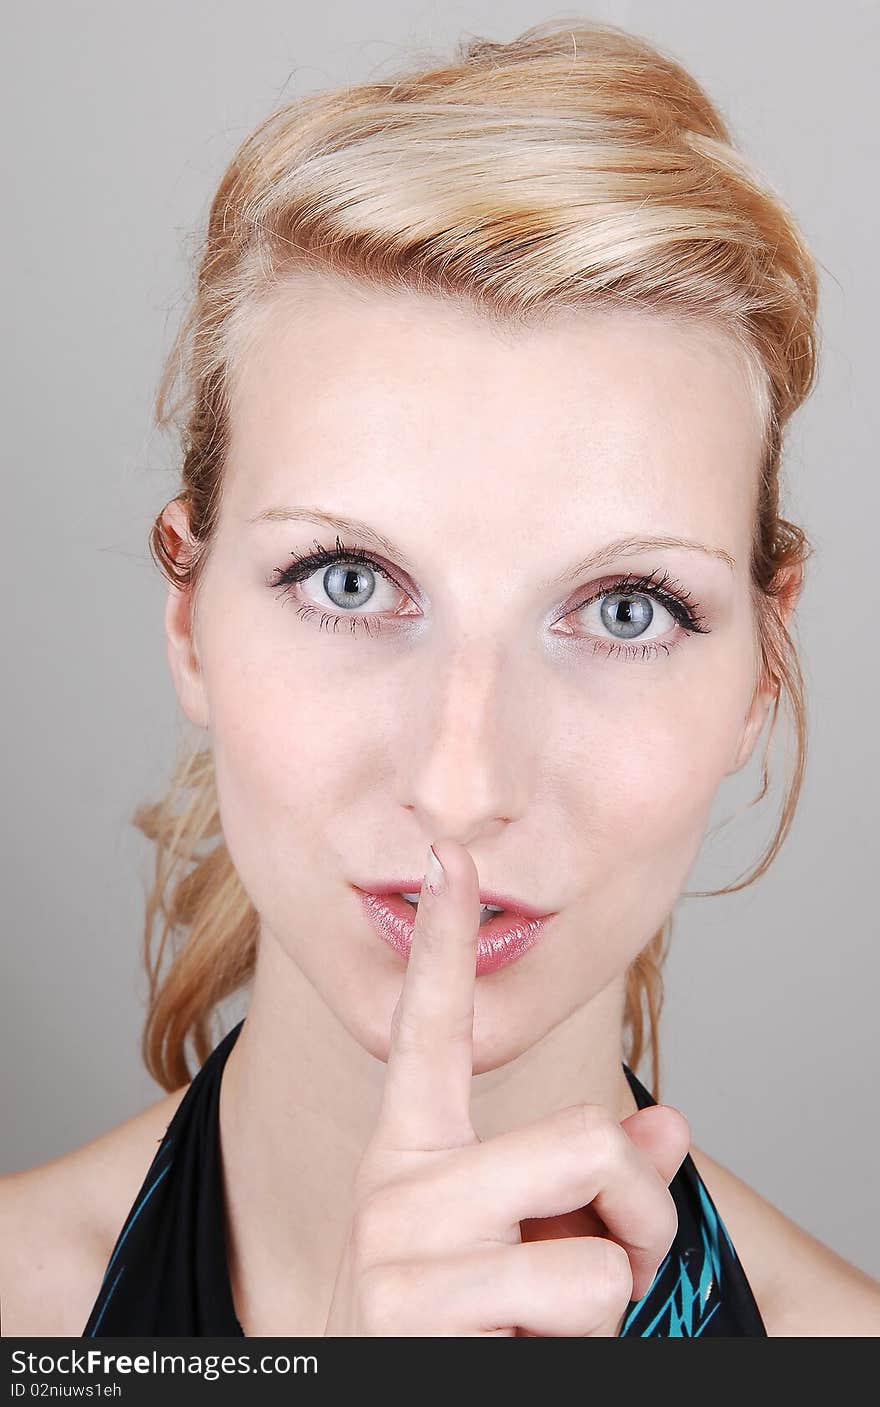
(119, 120)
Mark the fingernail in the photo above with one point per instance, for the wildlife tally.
(435, 875)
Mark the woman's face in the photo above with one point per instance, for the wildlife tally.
(574, 748)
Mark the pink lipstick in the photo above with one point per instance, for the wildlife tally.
(502, 939)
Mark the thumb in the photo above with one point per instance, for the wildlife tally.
(663, 1133)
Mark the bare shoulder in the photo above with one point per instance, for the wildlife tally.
(59, 1222)
(803, 1288)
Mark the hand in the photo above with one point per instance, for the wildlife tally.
(435, 1245)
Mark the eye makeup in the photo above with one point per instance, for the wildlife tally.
(659, 586)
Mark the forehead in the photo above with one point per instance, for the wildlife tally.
(339, 379)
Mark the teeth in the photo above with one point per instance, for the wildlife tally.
(486, 910)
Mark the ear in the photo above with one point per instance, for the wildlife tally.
(766, 692)
(762, 701)
(182, 651)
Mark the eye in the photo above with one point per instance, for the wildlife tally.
(345, 578)
(631, 615)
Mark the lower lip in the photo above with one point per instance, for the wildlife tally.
(501, 941)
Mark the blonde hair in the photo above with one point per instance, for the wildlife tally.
(574, 167)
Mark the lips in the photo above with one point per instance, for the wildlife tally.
(504, 938)
(517, 907)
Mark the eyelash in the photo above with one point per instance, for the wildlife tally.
(666, 590)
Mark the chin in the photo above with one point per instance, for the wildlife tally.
(497, 1039)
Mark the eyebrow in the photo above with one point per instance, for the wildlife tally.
(621, 546)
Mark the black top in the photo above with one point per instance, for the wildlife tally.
(168, 1274)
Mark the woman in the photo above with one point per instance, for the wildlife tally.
(477, 556)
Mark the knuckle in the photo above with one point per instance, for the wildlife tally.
(405, 1032)
(371, 1223)
(686, 1131)
(614, 1272)
(412, 1021)
(591, 1124)
(382, 1297)
(663, 1223)
(685, 1128)
(434, 1028)
(409, 1031)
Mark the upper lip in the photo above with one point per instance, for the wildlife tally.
(487, 896)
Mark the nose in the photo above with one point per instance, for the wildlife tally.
(468, 751)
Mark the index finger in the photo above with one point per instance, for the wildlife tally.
(426, 1097)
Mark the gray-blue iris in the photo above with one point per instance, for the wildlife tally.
(349, 590)
(631, 613)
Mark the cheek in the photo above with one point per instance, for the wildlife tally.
(282, 751)
(656, 766)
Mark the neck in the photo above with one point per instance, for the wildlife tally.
(299, 1099)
